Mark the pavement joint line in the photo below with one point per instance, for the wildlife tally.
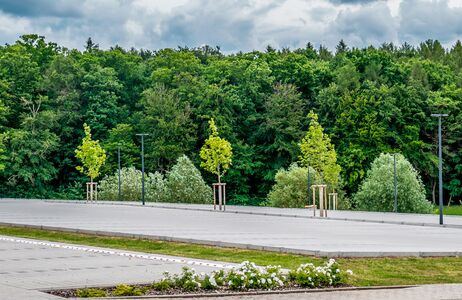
(118, 253)
(404, 223)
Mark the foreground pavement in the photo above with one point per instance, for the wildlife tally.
(424, 292)
(28, 266)
(312, 236)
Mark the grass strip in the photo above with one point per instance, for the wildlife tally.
(455, 210)
(367, 271)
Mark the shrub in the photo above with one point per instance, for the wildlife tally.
(130, 185)
(291, 187)
(186, 185)
(310, 276)
(376, 192)
(90, 293)
(127, 290)
(183, 184)
(156, 188)
(247, 275)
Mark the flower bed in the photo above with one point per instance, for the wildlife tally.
(245, 277)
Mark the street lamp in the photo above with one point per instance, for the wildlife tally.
(395, 206)
(440, 166)
(118, 165)
(142, 165)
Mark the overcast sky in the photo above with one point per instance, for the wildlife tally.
(232, 24)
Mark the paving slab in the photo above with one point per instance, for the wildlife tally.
(424, 292)
(31, 265)
(346, 215)
(322, 237)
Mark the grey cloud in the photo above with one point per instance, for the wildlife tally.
(31, 8)
(353, 1)
(372, 24)
(429, 20)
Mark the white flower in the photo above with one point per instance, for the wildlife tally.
(242, 277)
(251, 281)
(349, 272)
(269, 281)
(263, 280)
(212, 281)
(337, 271)
(230, 282)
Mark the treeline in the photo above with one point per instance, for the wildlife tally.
(369, 101)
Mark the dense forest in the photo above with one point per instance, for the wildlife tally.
(369, 101)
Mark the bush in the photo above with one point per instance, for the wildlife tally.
(130, 185)
(128, 290)
(183, 184)
(186, 185)
(310, 276)
(291, 187)
(247, 275)
(376, 192)
(90, 293)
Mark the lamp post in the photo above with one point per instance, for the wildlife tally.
(440, 166)
(118, 165)
(395, 206)
(142, 165)
(309, 184)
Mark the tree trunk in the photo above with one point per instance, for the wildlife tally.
(219, 177)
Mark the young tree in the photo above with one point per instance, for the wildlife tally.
(216, 153)
(91, 154)
(318, 152)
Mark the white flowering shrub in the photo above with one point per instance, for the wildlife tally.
(248, 276)
(311, 276)
(186, 185)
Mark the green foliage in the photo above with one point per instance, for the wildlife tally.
(130, 185)
(91, 155)
(185, 183)
(216, 153)
(369, 101)
(377, 190)
(291, 187)
(182, 184)
(91, 293)
(318, 152)
(128, 290)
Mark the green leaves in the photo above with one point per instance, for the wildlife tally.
(216, 153)
(91, 155)
(318, 152)
(377, 190)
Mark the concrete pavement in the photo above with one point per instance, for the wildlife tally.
(30, 265)
(340, 215)
(276, 233)
(424, 292)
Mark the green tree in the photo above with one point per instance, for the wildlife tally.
(318, 152)
(91, 155)
(376, 192)
(185, 183)
(168, 121)
(290, 189)
(216, 153)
